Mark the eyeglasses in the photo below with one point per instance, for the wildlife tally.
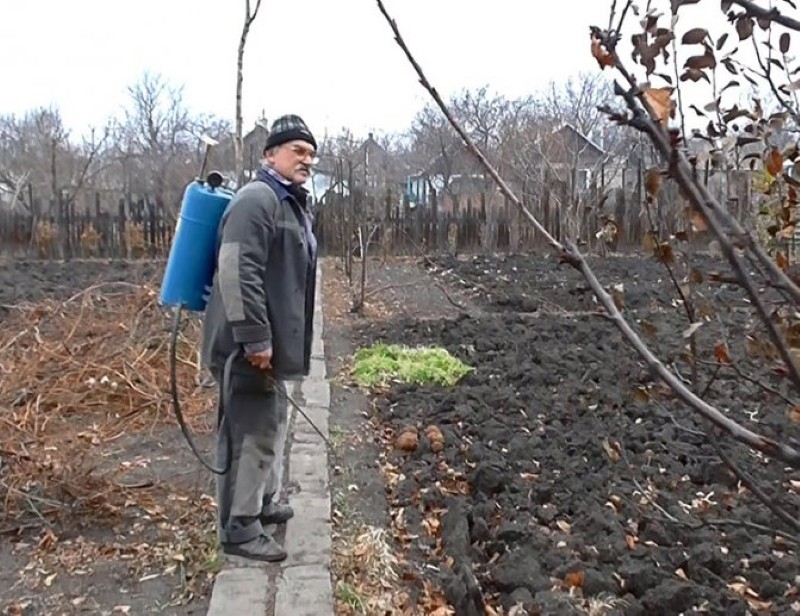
(304, 153)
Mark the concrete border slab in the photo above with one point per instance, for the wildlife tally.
(304, 590)
(241, 590)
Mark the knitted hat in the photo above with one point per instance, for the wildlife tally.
(288, 128)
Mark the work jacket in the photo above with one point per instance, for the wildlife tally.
(265, 281)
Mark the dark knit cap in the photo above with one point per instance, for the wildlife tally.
(288, 128)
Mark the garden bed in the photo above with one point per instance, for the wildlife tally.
(570, 481)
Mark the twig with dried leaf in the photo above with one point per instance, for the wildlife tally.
(570, 254)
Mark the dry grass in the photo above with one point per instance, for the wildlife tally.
(366, 581)
(75, 376)
(83, 384)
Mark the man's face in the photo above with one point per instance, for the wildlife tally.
(293, 160)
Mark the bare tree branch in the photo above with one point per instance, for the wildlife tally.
(569, 253)
(249, 18)
(771, 14)
(718, 217)
(751, 485)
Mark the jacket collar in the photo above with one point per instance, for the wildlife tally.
(282, 186)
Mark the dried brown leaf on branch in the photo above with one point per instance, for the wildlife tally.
(652, 182)
(785, 42)
(660, 101)
(744, 27)
(676, 4)
(694, 36)
(600, 53)
(721, 353)
(699, 221)
(773, 162)
(782, 260)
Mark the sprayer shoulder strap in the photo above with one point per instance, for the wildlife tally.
(268, 197)
(273, 207)
(273, 201)
(271, 204)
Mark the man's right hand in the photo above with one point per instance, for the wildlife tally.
(261, 360)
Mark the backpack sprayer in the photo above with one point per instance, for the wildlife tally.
(189, 275)
(187, 283)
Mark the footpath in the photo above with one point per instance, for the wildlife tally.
(301, 585)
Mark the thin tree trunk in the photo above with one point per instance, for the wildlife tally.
(238, 146)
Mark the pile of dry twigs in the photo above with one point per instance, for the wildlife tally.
(78, 378)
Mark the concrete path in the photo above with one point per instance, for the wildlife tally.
(301, 585)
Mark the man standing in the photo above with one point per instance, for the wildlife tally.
(261, 308)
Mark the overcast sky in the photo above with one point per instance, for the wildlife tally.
(332, 61)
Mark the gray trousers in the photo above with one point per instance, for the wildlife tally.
(257, 414)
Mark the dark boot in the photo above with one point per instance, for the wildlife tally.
(261, 548)
(274, 513)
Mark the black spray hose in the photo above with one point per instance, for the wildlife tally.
(299, 409)
(224, 393)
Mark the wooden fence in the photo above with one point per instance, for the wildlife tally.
(601, 218)
(129, 229)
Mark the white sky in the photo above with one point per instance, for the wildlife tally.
(332, 61)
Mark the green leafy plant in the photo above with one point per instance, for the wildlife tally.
(382, 363)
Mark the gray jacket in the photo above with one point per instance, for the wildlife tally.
(264, 286)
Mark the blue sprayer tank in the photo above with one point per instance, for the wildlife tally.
(189, 273)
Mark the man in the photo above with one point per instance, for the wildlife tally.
(261, 306)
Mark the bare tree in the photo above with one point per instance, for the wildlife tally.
(249, 18)
(154, 142)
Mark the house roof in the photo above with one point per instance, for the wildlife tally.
(257, 135)
(568, 127)
(371, 152)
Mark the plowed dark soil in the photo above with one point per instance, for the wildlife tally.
(570, 479)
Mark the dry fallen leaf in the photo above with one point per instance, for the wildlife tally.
(574, 579)
(612, 450)
(751, 596)
(432, 525)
